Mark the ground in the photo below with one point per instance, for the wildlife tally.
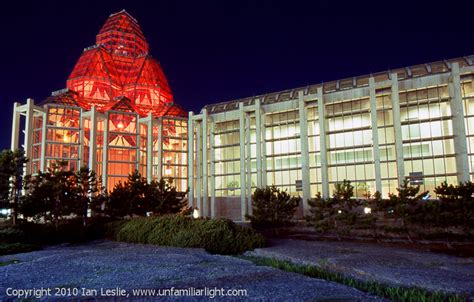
(112, 265)
(370, 261)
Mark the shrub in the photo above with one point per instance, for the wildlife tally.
(137, 197)
(404, 205)
(272, 207)
(321, 213)
(15, 248)
(11, 234)
(454, 208)
(342, 212)
(217, 236)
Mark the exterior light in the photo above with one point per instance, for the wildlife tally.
(367, 210)
(339, 211)
(196, 213)
(120, 125)
(5, 211)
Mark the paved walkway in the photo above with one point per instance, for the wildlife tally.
(365, 261)
(119, 267)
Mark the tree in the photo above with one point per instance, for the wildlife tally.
(85, 191)
(454, 208)
(321, 213)
(272, 207)
(50, 195)
(163, 198)
(136, 197)
(119, 204)
(340, 212)
(404, 205)
(138, 187)
(12, 164)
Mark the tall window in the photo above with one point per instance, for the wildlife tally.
(350, 145)
(283, 149)
(427, 134)
(227, 158)
(62, 136)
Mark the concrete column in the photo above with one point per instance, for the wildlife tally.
(248, 165)
(205, 200)
(375, 135)
(199, 167)
(213, 169)
(323, 144)
(459, 128)
(43, 141)
(190, 159)
(15, 127)
(264, 149)
(303, 116)
(105, 150)
(149, 148)
(93, 140)
(397, 128)
(243, 202)
(258, 141)
(138, 143)
(159, 174)
(28, 133)
(80, 156)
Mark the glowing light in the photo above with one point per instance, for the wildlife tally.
(367, 210)
(196, 213)
(339, 211)
(120, 125)
(66, 138)
(102, 75)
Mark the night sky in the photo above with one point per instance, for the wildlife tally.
(214, 51)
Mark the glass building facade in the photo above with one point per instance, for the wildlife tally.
(117, 115)
(413, 123)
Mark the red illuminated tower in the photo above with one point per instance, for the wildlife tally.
(119, 68)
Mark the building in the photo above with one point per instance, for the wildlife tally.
(117, 115)
(375, 130)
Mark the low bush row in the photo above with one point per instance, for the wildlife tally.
(408, 210)
(217, 236)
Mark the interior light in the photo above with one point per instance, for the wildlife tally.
(120, 125)
(66, 138)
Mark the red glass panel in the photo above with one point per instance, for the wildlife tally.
(118, 66)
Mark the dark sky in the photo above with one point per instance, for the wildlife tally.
(213, 51)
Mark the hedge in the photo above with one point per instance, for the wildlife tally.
(217, 236)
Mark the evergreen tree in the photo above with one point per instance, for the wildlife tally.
(163, 198)
(50, 195)
(12, 164)
(85, 192)
(404, 205)
(272, 207)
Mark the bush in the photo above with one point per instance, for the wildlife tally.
(15, 248)
(137, 197)
(217, 236)
(341, 213)
(71, 230)
(11, 234)
(272, 207)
